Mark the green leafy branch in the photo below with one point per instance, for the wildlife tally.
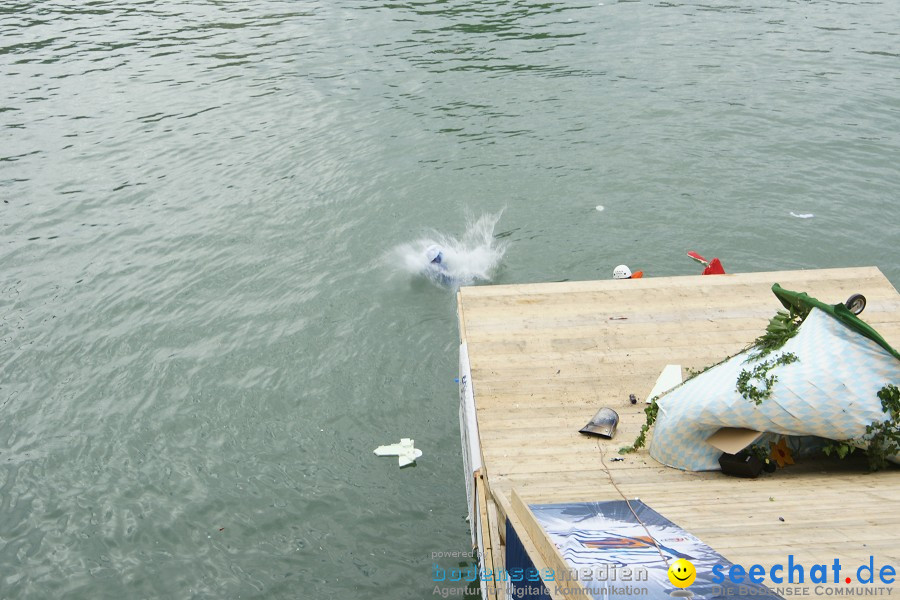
(651, 412)
(782, 327)
(840, 449)
(745, 381)
(885, 435)
(691, 373)
(882, 437)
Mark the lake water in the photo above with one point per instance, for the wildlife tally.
(207, 320)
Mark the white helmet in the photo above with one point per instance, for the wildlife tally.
(433, 253)
(621, 272)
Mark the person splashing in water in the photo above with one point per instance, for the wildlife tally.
(437, 267)
(452, 262)
(435, 256)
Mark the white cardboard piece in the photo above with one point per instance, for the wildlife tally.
(669, 378)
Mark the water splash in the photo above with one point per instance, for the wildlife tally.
(467, 260)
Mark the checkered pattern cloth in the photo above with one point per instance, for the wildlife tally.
(831, 392)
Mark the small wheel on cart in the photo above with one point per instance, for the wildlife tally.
(856, 303)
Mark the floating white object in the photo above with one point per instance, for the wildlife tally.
(405, 451)
(669, 378)
(600, 207)
(802, 215)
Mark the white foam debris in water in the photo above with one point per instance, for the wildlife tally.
(473, 257)
(802, 215)
(406, 452)
(600, 208)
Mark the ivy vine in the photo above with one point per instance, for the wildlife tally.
(782, 327)
(882, 438)
(651, 412)
(840, 449)
(885, 435)
(760, 373)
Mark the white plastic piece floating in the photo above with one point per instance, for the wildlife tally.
(406, 453)
(600, 207)
(802, 215)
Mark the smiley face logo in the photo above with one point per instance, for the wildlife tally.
(682, 573)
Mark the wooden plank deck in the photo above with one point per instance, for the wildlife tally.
(545, 357)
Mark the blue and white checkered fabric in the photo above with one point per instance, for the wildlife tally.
(831, 392)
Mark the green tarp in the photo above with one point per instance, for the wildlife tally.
(800, 303)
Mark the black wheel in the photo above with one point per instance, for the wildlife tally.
(856, 303)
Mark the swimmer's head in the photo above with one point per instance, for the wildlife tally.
(434, 254)
(622, 272)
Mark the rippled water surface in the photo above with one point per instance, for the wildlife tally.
(203, 334)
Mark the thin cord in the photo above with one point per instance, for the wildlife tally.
(615, 485)
(625, 498)
(644, 525)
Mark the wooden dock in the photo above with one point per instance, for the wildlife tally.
(545, 357)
